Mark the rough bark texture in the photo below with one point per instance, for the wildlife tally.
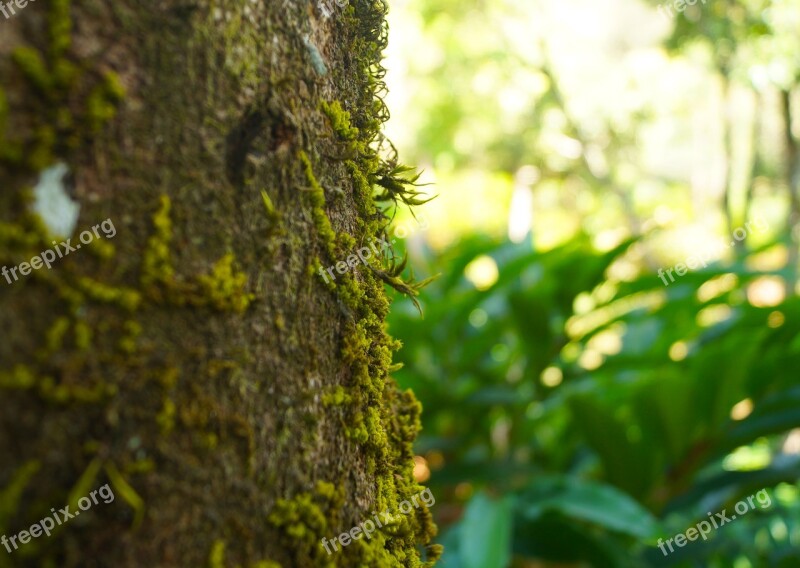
(239, 407)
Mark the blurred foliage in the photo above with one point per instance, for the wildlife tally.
(577, 409)
(599, 413)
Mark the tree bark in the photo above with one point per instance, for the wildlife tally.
(201, 363)
(793, 188)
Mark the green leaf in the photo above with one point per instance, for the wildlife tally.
(557, 539)
(486, 533)
(589, 501)
(627, 463)
(777, 413)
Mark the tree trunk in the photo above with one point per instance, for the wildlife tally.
(200, 361)
(793, 188)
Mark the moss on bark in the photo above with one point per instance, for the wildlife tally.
(240, 408)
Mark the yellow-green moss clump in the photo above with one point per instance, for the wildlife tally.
(217, 556)
(126, 298)
(224, 288)
(273, 216)
(33, 67)
(59, 28)
(321, 221)
(303, 518)
(340, 120)
(157, 259)
(127, 493)
(101, 106)
(22, 377)
(337, 397)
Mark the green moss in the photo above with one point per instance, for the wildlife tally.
(321, 221)
(19, 378)
(102, 103)
(126, 298)
(98, 109)
(127, 493)
(128, 342)
(299, 517)
(59, 28)
(56, 333)
(195, 413)
(66, 394)
(358, 431)
(102, 249)
(41, 155)
(217, 557)
(11, 152)
(272, 213)
(304, 518)
(318, 193)
(169, 378)
(15, 235)
(83, 335)
(326, 490)
(65, 74)
(166, 418)
(210, 440)
(54, 79)
(115, 90)
(340, 120)
(224, 288)
(140, 467)
(377, 416)
(157, 259)
(385, 421)
(23, 378)
(316, 268)
(11, 494)
(85, 483)
(337, 397)
(346, 242)
(30, 63)
(378, 437)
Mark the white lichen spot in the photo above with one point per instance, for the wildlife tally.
(53, 204)
(316, 57)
